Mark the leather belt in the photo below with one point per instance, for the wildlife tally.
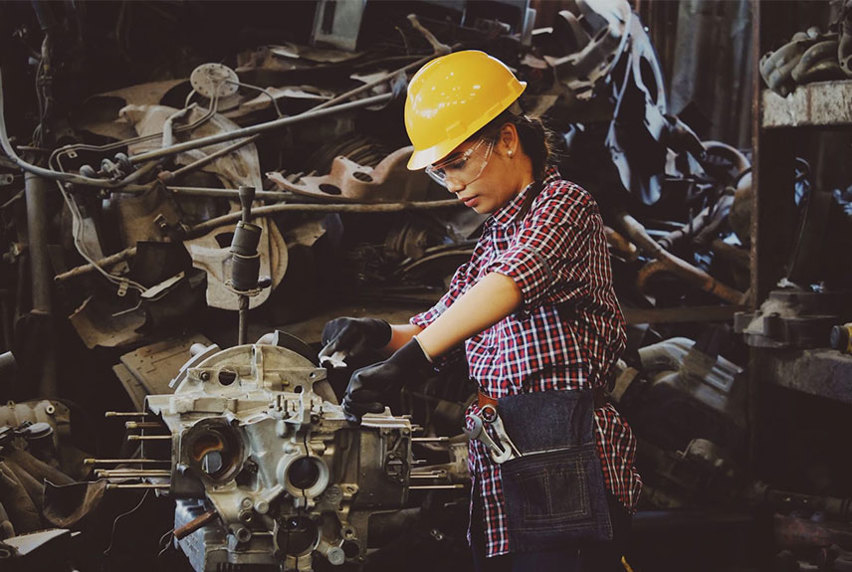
(600, 395)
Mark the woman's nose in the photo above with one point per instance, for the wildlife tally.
(454, 187)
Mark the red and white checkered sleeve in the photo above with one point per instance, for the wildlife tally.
(548, 258)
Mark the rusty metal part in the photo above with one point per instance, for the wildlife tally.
(844, 46)
(817, 62)
(389, 181)
(195, 524)
(439, 48)
(671, 263)
(593, 35)
(621, 245)
(103, 263)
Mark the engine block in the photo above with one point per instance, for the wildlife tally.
(267, 471)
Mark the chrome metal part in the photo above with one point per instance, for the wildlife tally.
(214, 80)
(259, 438)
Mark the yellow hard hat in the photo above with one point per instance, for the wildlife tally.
(451, 98)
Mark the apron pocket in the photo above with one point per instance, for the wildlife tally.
(554, 498)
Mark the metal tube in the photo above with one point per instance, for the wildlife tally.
(171, 175)
(144, 425)
(113, 486)
(149, 437)
(106, 261)
(36, 189)
(259, 128)
(125, 414)
(434, 487)
(429, 439)
(116, 473)
(228, 193)
(207, 226)
(91, 461)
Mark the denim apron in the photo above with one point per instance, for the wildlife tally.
(554, 492)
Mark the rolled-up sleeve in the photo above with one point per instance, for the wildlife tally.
(548, 257)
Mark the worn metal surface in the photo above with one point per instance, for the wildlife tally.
(821, 371)
(826, 103)
(390, 181)
(154, 365)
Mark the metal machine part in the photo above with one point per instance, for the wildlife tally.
(258, 438)
(793, 318)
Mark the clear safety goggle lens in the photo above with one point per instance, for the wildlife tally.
(462, 169)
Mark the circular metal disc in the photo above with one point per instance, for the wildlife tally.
(214, 79)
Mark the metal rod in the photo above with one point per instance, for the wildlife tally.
(434, 487)
(429, 439)
(242, 336)
(432, 475)
(115, 473)
(92, 461)
(195, 524)
(144, 425)
(106, 261)
(171, 175)
(149, 437)
(125, 414)
(36, 190)
(112, 486)
(259, 128)
(229, 193)
(207, 226)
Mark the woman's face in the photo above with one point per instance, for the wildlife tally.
(485, 174)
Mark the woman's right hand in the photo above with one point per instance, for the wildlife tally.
(352, 338)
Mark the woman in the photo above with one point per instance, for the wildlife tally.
(540, 323)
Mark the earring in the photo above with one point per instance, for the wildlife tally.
(510, 152)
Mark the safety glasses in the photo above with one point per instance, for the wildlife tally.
(461, 169)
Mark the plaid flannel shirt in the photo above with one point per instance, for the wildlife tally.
(566, 335)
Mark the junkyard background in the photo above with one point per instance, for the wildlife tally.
(713, 134)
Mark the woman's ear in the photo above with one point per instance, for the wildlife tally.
(509, 139)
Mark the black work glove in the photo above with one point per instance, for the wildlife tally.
(344, 338)
(370, 385)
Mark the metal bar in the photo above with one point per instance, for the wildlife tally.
(434, 487)
(115, 473)
(36, 190)
(144, 425)
(207, 226)
(171, 175)
(195, 524)
(229, 193)
(149, 437)
(106, 261)
(432, 475)
(429, 439)
(125, 414)
(113, 486)
(259, 128)
(92, 461)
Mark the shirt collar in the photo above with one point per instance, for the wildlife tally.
(506, 214)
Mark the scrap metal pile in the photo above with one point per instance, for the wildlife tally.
(121, 211)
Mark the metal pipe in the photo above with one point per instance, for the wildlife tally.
(36, 190)
(128, 473)
(207, 226)
(259, 128)
(195, 524)
(125, 414)
(429, 439)
(106, 261)
(166, 176)
(638, 235)
(149, 437)
(229, 193)
(92, 461)
(144, 425)
(114, 486)
(434, 487)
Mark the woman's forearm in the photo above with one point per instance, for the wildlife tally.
(486, 303)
